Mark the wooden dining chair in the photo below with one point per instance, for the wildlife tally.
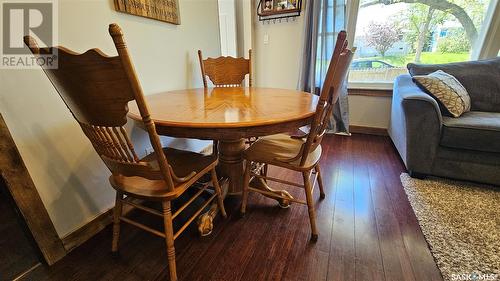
(299, 153)
(97, 88)
(226, 71)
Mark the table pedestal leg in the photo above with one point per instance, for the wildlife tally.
(262, 184)
(205, 220)
(231, 163)
(230, 168)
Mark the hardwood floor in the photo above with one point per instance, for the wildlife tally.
(17, 249)
(367, 228)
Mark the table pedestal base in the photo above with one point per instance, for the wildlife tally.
(231, 170)
(231, 164)
(205, 220)
(273, 193)
(261, 183)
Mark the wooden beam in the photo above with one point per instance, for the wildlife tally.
(23, 190)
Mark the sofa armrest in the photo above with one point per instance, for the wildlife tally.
(415, 126)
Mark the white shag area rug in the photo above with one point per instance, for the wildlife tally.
(461, 223)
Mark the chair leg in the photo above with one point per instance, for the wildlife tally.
(310, 205)
(246, 183)
(320, 182)
(264, 171)
(169, 237)
(220, 200)
(117, 212)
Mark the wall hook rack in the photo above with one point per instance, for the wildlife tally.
(268, 10)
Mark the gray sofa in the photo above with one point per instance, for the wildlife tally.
(430, 143)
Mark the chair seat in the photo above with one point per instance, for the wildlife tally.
(183, 163)
(473, 130)
(273, 149)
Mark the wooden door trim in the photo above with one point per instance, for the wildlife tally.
(23, 190)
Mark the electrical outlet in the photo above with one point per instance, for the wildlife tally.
(266, 39)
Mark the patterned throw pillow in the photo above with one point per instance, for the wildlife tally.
(447, 90)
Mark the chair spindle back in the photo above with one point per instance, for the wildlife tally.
(96, 88)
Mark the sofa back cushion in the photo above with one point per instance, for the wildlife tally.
(481, 79)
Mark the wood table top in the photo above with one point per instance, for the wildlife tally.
(227, 107)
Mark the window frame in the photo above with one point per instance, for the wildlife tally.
(488, 47)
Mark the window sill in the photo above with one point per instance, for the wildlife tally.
(382, 86)
(370, 92)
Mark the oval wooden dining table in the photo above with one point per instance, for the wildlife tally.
(228, 115)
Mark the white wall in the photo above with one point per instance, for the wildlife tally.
(277, 65)
(70, 178)
(368, 111)
(277, 62)
(227, 25)
(244, 26)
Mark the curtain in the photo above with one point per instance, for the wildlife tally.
(323, 20)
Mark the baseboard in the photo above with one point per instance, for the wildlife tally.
(368, 130)
(84, 233)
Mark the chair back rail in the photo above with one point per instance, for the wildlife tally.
(332, 85)
(334, 80)
(96, 88)
(226, 71)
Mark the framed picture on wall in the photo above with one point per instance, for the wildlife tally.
(278, 9)
(162, 10)
(268, 6)
(282, 5)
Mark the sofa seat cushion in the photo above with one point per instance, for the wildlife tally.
(473, 130)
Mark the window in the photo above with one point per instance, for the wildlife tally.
(332, 20)
(401, 33)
